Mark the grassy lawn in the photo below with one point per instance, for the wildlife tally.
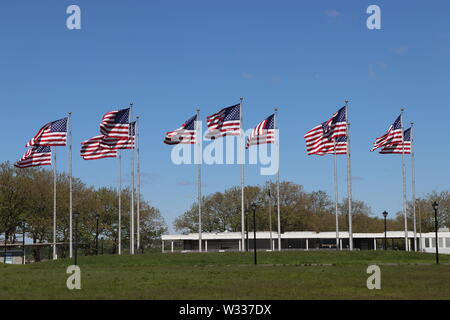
(280, 275)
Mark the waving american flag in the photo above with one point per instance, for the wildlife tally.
(184, 134)
(399, 147)
(263, 133)
(36, 156)
(115, 124)
(391, 137)
(52, 134)
(320, 138)
(113, 143)
(226, 122)
(92, 149)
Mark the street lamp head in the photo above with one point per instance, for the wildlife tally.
(435, 205)
(76, 215)
(97, 216)
(385, 214)
(253, 206)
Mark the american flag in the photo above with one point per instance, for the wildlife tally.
(341, 147)
(322, 137)
(398, 147)
(52, 134)
(92, 150)
(391, 137)
(226, 122)
(263, 133)
(184, 134)
(115, 124)
(36, 156)
(113, 143)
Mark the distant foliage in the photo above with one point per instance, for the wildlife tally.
(26, 196)
(300, 211)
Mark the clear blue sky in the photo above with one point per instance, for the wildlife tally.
(169, 57)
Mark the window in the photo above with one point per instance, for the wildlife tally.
(447, 242)
(441, 242)
(427, 242)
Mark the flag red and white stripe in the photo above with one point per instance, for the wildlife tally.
(391, 137)
(185, 134)
(263, 133)
(320, 139)
(51, 134)
(115, 124)
(36, 156)
(113, 143)
(400, 148)
(226, 122)
(92, 149)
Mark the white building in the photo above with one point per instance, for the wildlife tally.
(305, 240)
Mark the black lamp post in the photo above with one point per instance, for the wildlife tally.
(248, 241)
(436, 207)
(76, 215)
(97, 217)
(385, 214)
(254, 230)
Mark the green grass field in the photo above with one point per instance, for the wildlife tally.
(280, 275)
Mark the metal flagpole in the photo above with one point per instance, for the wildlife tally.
(404, 182)
(242, 177)
(413, 182)
(275, 125)
(336, 194)
(349, 181)
(119, 251)
(270, 217)
(70, 187)
(138, 191)
(54, 204)
(132, 192)
(199, 180)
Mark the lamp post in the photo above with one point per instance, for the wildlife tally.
(436, 207)
(385, 214)
(248, 241)
(254, 230)
(97, 217)
(76, 215)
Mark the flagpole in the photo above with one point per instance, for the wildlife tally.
(132, 192)
(336, 194)
(413, 177)
(199, 181)
(119, 251)
(270, 217)
(404, 182)
(349, 182)
(275, 125)
(54, 204)
(138, 191)
(70, 187)
(242, 176)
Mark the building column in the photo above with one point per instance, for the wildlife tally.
(340, 244)
(240, 246)
(375, 244)
(206, 245)
(273, 245)
(307, 244)
(171, 246)
(162, 246)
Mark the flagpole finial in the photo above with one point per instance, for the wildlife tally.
(198, 109)
(241, 98)
(346, 101)
(276, 109)
(402, 109)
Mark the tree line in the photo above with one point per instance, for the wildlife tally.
(304, 211)
(26, 201)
